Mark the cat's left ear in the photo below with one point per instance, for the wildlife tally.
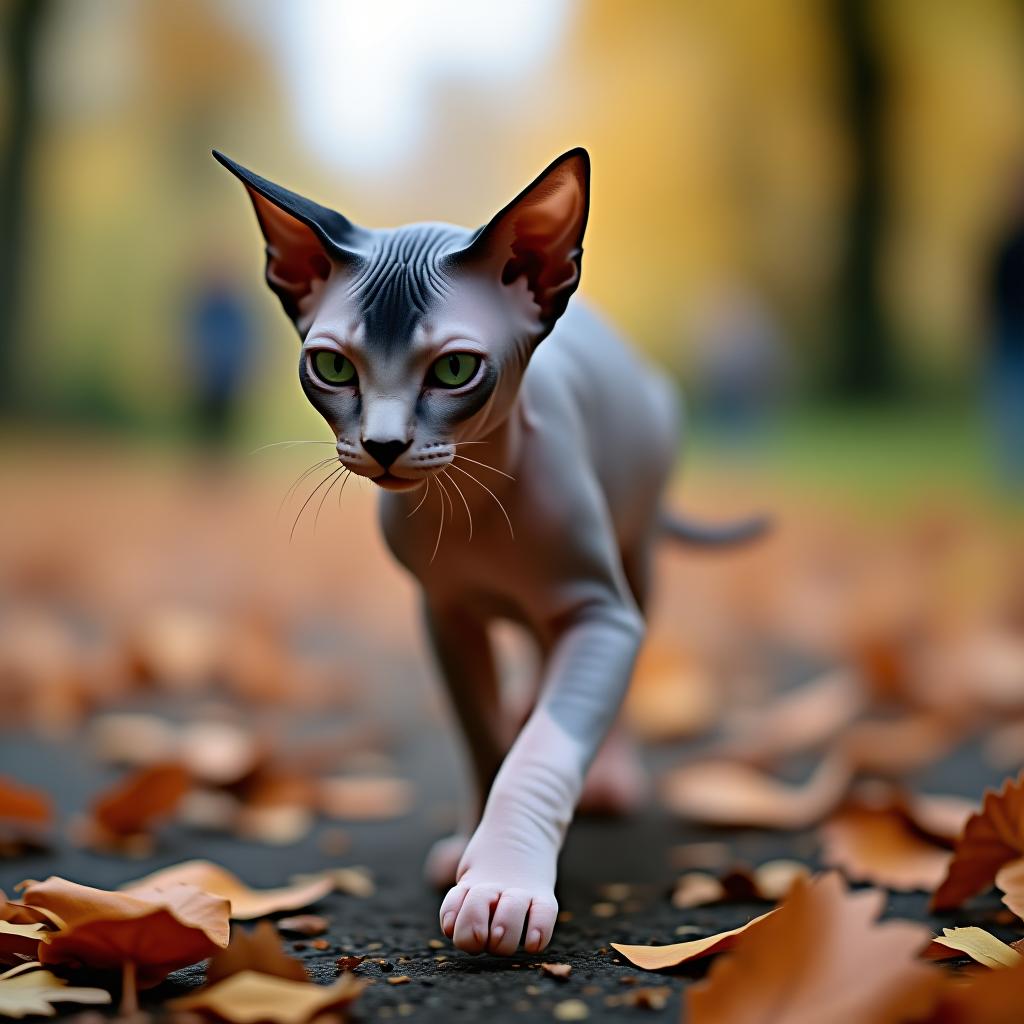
(539, 236)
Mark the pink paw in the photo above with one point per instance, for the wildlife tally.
(485, 916)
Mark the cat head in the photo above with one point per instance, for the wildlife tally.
(416, 338)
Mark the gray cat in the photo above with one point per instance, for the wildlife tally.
(419, 342)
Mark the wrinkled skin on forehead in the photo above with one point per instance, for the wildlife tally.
(418, 342)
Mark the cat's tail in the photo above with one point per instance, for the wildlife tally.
(726, 535)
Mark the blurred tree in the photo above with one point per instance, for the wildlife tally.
(862, 364)
(24, 23)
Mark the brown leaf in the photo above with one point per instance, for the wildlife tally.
(697, 889)
(246, 903)
(26, 991)
(900, 746)
(259, 950)
(137, 803)
(822, 948)
(560, 971)
(977, 943)
(728, 793)
(354, 881)
(877, 844)
(22, 805)
(660, 958)
(364, 798)
(20, 942)
(156, 929)
(671, 696)
(1010, 881)
(802, 719)
(308, 925)
(249, 997)
(992, 837)
(981, 997)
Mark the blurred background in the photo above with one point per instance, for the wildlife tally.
(812, 218)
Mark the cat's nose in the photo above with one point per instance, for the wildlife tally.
(385, 452)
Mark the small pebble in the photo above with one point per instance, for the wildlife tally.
(399, 979)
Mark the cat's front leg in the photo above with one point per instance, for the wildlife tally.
(466, 660)
(506, 879)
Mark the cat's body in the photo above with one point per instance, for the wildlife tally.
(443, 362)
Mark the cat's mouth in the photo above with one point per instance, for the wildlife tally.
(390, 482)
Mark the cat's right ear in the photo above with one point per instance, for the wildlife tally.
(303, 239)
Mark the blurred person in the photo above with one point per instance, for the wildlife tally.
(1004, 385)
(220, 352)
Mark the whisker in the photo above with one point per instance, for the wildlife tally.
(281, 444)
(316, 517)
(466, 458)
(297, 482)
(440, 526)
(459, 444)
(451, 507)
(491, 493)
(426, 491)
(312, 495)
(341, 490)
(454, 483)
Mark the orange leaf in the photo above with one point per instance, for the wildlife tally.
(156, 929)
(250, 997)
(728, 793)
(135, 804)
(660, 958)
(821, 955)
(877, 845)
(23, 805)
(1010, 881)
(259, 950)
(246, 903)
(992, 837)
(983, 997)
(977, 943)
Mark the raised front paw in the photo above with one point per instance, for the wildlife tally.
(487, 916)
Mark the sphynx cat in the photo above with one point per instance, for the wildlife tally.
(421, 348)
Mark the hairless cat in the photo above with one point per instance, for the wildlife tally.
(419, 342)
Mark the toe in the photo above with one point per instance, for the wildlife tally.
(450, 907)
(541, 923)
(473, 922)
(507, 922)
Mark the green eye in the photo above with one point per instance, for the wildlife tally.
(333, 368)
(454, 369)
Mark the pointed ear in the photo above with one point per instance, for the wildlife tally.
(303, 238)
(539, 236)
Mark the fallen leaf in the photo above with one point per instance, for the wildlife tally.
(729, 793)
(977, 943)
(349, 963)
(877, 845)
(155, 929)
(561, 971)
(802, 719)
(364, 798)
(304, 924)
(259, 950)
(1010, 881)
(981, 997)
(822, 948)
(133, 739)
(219, 753)
(992, 837)
(22, 805)
(697, 889)
(250, 997)
(275, 825)
(775, 878)
(246, 903)
(26, 991)
(135, 804)
(354, 881)
(20, 942)
(661, 958)
(900, 746)
(671, 696)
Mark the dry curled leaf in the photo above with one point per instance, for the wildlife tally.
(309, 925)
(822, 948)
(26, 991)
(136, 804)
(155, 929)
(259, 950)
(364, 798)
(661, 958)
(992, 837)
(978, 944)
(877, 844)
(20, 942)
(729, 793)
(250, 997)
(246, 903)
